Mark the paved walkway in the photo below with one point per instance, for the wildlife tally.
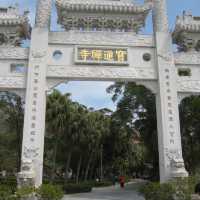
(109, 193)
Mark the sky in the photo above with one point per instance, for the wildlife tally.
(93, 94)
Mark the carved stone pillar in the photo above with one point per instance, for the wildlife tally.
(160, 19)
(43, 13)
(35, 107)
(169, 137)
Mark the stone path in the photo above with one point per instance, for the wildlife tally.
(109, 193)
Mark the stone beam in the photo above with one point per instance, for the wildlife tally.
(101, 38)
(8, 83)
(14, 53)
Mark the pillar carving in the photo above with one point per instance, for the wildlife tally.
(35, 107)
(43, 13)
(169, 137)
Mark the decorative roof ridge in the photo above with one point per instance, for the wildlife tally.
(104, 5)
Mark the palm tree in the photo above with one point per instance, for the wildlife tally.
(72, 133)
(98, 127)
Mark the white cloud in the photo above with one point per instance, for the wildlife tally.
(91, 94)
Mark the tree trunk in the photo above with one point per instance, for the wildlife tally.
(88, 167)
(19, 142)
(78, 169)
(68, 164)
(54, 160)
(92, 170)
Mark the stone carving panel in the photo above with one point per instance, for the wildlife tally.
(101, 73)
(12, 82)
(173, 154)
(188, 86)
(192, 58)
(100, 38)
(38, 54)
(14, 53)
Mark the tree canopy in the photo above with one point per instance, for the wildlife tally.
(83, 143)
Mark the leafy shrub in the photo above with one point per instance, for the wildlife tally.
(179, 189)
(24, 192)
(70, 188)
(156, 191)
(11, 182)
(49, 192)
(5, 192)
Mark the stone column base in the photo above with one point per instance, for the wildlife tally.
(26, 178)
(178, 169)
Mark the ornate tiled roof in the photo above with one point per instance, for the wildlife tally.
(102, 14)
(13, 26)
(115, 6)
(187, 32)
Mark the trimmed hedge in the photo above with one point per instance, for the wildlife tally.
(70, 188)
(99, 184)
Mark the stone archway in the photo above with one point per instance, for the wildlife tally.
(171, 162)
(145, 59)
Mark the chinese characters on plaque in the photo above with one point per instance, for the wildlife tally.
(109, 56)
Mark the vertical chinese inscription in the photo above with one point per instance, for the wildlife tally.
(34, 102)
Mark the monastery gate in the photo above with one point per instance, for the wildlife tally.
(100, 42)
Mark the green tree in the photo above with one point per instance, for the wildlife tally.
(57, 115)
(190, 129)
(98, 128)
(136, 109)
(12, 115)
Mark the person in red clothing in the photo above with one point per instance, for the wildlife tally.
(122, 181)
